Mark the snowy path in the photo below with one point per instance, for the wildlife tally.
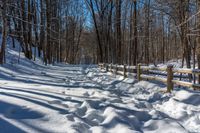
(69, 99)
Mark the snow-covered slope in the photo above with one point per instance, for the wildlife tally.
(83, 99)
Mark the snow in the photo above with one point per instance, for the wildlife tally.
(65, 98)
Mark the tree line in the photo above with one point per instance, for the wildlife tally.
(110, 31)
(50, 29)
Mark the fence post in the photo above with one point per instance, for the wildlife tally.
(111, 67)
(169, 78)
(107, 67)
(124, 71)
(138, 72)
(116, 69)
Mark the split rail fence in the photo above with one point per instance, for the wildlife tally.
(169, 74)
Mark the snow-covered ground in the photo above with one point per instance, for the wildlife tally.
(83, 99)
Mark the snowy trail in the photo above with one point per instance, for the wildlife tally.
(71, 99)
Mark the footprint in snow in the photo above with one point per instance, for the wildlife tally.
(64, 92)
(116, 100)
(54, 102)
(43, 73)
(86, 94)
(68, 98)
(70, 117)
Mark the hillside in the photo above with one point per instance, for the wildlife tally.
(63, 98)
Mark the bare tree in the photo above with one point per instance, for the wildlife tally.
(4, 31)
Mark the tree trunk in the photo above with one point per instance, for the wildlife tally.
(4, 33)
(135, 34)
(48, 26)
(118, 31)
(198, 40)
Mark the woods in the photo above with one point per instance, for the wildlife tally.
(109, 31)
(99, 66)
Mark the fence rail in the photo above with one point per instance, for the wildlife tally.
(141, 75)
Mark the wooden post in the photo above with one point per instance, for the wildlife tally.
(194, 80)
(100, 65)
(169, 78)
(106, 67)
(116, 69)
(124, 71)
(138, 72)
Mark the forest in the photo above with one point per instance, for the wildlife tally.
(99, 66)
(109, 31)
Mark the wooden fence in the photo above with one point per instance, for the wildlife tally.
(143, 73)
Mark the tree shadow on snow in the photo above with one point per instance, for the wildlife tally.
(7, 127)
(35, 101)
(191, 100)
(18, 112)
